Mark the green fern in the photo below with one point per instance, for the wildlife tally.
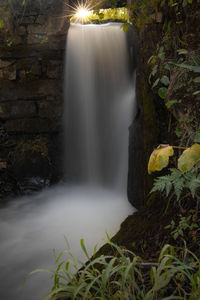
(193, 184)
(177, 181)
(161, 183)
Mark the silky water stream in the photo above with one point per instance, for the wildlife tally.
(99, 103)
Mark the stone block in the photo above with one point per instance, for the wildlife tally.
(36, 29)
(29, 69)
(25, 91)
(8, 73)
(19, 109)
(6, 63)
(50, 110)
(32, 125)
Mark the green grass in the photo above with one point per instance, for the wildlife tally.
(125, 276)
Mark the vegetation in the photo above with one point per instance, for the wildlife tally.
(125, 276)
(103, 15)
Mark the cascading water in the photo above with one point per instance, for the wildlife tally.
(99, 105)
(98, 109)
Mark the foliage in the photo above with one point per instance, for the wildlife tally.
(185, 223)
(186, 177)
(189, 158)
(159, 158)
(122, 276)
(177, 182)
(104, 15)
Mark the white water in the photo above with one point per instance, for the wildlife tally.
(99, 105)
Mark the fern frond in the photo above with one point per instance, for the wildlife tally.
(162, 183)
(188, 176)
(175, 174)
(179, 185)
(193, 184)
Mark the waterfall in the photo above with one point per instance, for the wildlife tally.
(99, 94)
(98, 105)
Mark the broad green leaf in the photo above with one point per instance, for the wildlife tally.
(162, 92)
(165, 80)
(189, 158)
(159, 158)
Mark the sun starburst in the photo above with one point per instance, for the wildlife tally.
(81, 10)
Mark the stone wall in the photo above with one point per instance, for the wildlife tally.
(32, 48)
(31, 68)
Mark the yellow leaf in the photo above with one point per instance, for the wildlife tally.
(159, 158)
(189, 158)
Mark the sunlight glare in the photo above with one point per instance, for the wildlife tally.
(82, 13)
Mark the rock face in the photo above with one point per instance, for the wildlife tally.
(32, 45)
(143, 131)
(31, 66)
